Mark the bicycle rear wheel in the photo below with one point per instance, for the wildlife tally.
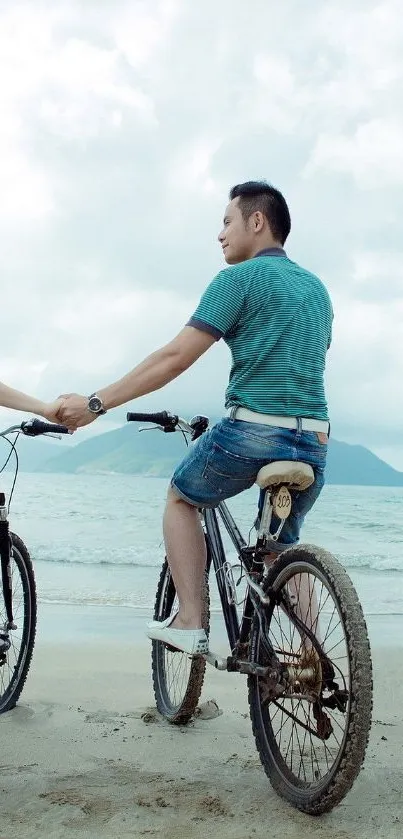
(177, 678)
(15, 663)
(312, 738)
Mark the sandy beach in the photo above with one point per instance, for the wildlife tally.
(85, 754)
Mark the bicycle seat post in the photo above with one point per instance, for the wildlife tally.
(273, 503)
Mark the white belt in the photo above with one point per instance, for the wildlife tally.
(307, 423)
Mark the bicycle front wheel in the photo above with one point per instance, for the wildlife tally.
(312, 738)
(15, 662)
(177, 678)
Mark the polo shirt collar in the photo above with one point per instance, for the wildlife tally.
(271, 252)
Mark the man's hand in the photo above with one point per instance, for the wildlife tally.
(74, 412)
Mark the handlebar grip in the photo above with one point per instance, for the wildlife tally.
(55, 428)
(35, 427)
(160, 418)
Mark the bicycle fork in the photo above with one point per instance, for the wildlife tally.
(5, 556)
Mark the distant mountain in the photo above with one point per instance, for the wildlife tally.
(125, 450)
(153, 453)
(348, 464)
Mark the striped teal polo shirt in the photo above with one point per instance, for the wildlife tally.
(276, 318)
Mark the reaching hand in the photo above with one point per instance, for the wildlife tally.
(74, 412)
(51, 410)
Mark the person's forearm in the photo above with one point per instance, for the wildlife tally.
(10, 398)
(153, 373)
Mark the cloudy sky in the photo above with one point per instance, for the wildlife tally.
(123, 126)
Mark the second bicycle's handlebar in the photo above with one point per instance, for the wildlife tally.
(34, 427)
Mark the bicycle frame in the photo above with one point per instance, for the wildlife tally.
(237, 631)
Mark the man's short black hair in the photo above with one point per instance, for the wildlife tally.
(259, 195)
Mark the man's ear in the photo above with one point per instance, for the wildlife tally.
(258, 221)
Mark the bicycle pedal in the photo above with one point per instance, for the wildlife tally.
(216, 661)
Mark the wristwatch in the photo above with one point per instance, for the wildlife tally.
(95, 405)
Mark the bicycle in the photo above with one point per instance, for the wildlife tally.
(301, 640)
(18, 606)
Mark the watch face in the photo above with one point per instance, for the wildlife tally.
(94, 404)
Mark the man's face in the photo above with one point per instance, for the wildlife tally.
(236, 237)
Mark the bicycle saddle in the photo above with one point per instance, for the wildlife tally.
(294, 473)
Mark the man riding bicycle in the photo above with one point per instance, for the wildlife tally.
(276, 318)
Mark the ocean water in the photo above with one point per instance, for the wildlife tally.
(97, 539)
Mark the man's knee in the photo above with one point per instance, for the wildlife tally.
(174, 499)
(172, 496)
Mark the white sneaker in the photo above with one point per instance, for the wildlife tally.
(190, 641)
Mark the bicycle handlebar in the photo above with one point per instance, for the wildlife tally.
(35, 427)
(171, 422)
(160, 418)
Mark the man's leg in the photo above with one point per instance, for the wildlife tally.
(186, 554)
(303, 597)
(301, 586)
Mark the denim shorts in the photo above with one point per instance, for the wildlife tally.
(227, 458)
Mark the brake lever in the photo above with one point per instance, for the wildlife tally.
(51, 434)
(152, 428)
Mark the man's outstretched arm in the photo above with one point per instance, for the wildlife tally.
(154, 372)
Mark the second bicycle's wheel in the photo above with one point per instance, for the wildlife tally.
(312, 738)
(14, 664)
(177, 678)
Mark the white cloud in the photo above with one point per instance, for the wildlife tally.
(127, 326)
(26, 193)
(87, 84)
(366, 365)
(378, 272)
(141, 32)
(75, 88)
(372, 154)
(279, 98)
(192, 169)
